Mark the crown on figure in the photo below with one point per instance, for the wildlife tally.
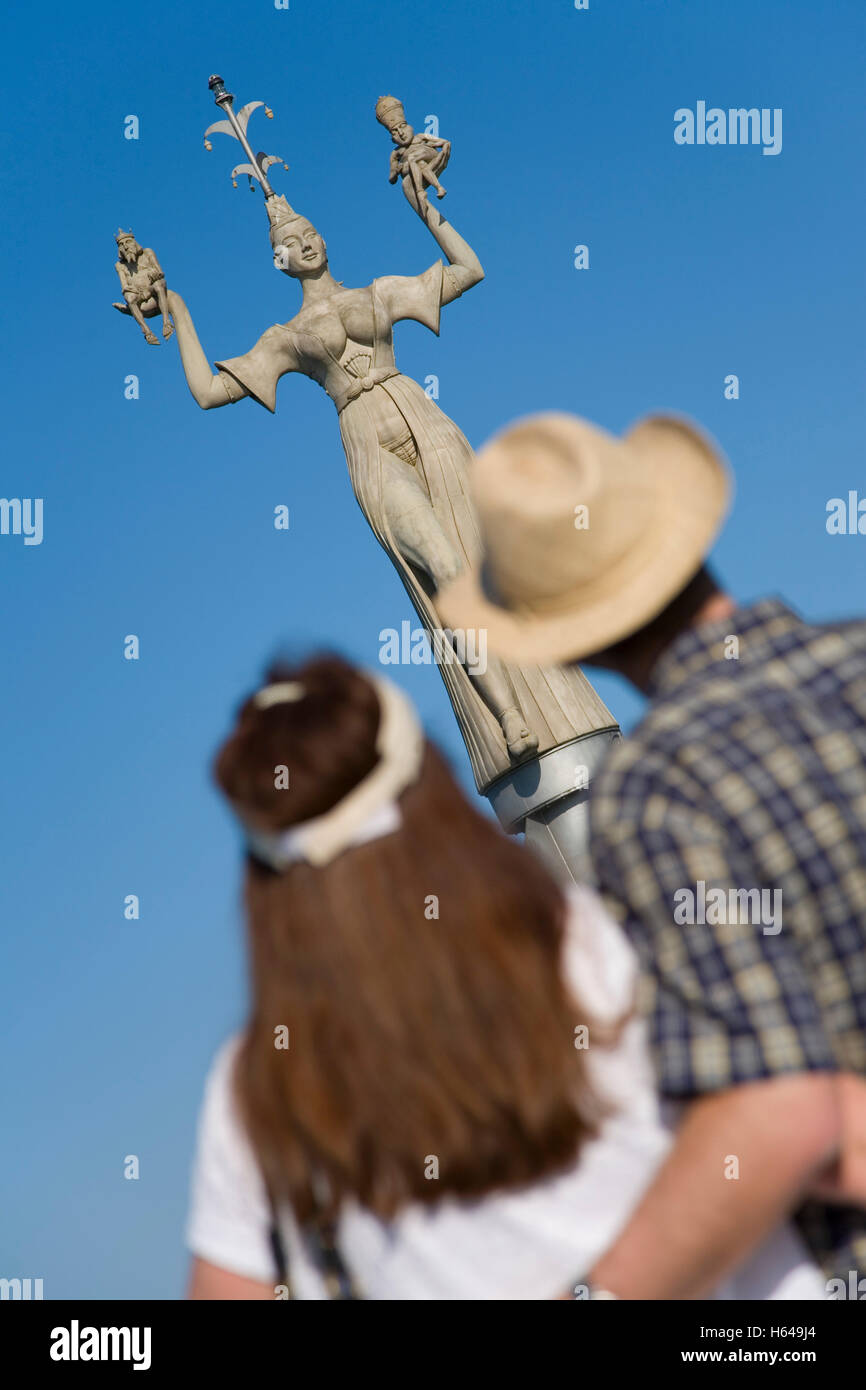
(280, 214)
(124, 236)
(390, 113)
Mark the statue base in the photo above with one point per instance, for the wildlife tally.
(547, 798)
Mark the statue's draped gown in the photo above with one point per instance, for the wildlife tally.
(559, 704)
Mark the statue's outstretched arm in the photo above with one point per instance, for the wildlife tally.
(466, 268)
(209, 388)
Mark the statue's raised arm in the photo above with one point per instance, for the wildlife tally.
(464, 267)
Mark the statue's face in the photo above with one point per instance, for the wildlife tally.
(128, 247)
(299, 250)
(403, 133)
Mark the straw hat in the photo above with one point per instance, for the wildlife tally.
(586, 536)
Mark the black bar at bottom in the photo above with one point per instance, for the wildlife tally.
(66, 1338)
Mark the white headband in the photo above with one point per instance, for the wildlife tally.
(370, 809)
(284, 692)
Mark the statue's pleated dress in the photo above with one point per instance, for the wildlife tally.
(559, 704)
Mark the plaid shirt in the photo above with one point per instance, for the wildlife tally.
(748, 773)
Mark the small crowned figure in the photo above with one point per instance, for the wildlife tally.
(420, 158)
(143, 284)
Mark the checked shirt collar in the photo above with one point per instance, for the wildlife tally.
(767, 630)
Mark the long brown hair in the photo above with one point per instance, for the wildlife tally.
(429, 1030)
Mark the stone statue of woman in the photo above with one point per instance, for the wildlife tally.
(408, 462)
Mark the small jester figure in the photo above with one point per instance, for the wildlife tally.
(143, 284)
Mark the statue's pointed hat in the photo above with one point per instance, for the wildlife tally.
(280, 213)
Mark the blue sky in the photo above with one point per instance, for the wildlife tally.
(704, 261)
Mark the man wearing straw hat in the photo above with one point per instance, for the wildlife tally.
(728, 833)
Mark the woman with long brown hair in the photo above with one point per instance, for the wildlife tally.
(442, 1090)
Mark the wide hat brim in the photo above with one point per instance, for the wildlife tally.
(691, 490)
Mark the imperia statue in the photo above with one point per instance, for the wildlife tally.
(408, 462)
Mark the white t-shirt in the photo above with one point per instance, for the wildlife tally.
(535, 1243)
